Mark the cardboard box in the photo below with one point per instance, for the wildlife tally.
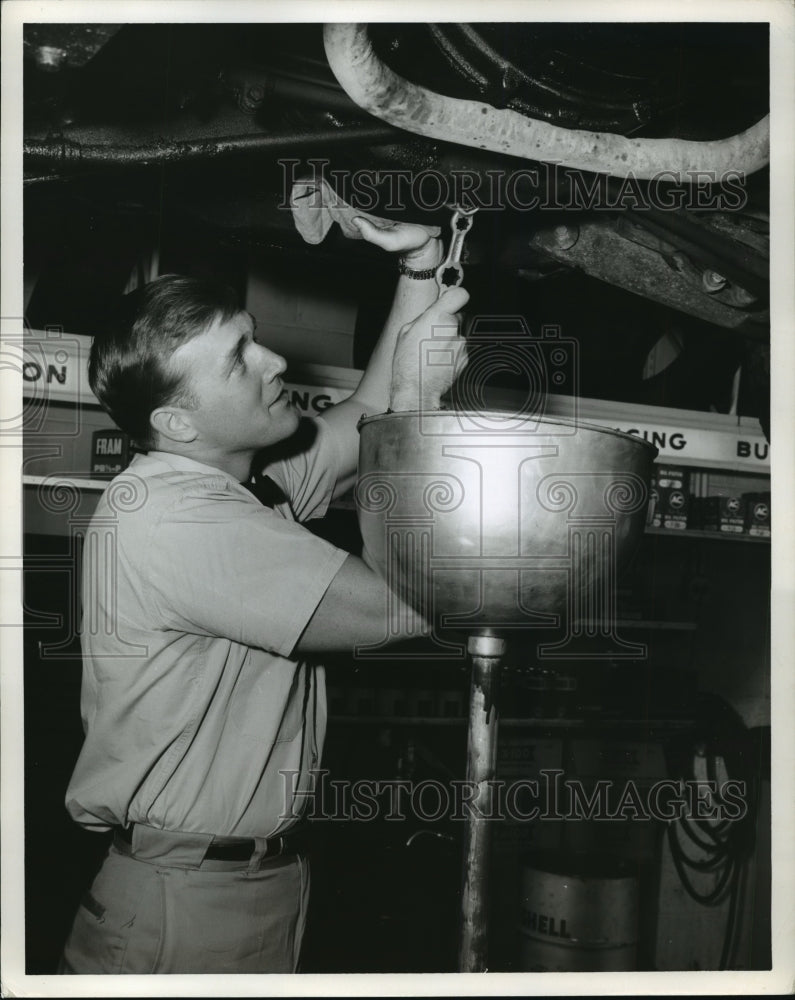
(725, 514)
(616, 759)
(757, 514)
(111, 452)
(672, 477)
(671, 499)
(651, 509)
(523, 759)
(675, 505)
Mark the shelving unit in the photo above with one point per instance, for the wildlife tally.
(638, 623)
(98, 485)
(700, 441)
(78, 482)
(556, 722)
(694, 533)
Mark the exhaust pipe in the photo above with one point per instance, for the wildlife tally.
(377, 89)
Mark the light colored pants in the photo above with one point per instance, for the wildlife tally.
(149, 917)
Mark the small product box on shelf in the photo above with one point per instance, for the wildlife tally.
(725, 514)
(111, 452)
(651, 509)
(672, 500)
(757, 514)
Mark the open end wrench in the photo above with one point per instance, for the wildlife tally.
(450, 273)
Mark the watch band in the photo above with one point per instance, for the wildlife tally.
(423, 275)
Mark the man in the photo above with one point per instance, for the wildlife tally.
(200, 604)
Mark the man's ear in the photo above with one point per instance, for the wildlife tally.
(174, 424)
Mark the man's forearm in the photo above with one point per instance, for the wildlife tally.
(412, 297)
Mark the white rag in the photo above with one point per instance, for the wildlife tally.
(316, 206)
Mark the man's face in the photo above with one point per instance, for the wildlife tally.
(241, 402)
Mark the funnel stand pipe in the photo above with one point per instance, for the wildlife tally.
(486, 652)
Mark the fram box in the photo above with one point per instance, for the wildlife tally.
(110, 452)
(757, 514)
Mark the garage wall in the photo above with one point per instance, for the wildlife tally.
(302, 313)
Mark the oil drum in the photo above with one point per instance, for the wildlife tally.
(579, 913)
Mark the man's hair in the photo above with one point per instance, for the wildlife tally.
(129, 368)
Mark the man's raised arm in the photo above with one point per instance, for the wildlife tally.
(412, 318)
(357, 609)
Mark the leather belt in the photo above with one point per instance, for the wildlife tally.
(241, 849)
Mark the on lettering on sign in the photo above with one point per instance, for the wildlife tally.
(32, 372)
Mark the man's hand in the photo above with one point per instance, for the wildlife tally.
(416, 383)
(411, 241)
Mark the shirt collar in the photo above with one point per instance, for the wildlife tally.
(154, 463)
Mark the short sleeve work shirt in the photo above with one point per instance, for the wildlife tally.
(194, 596)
